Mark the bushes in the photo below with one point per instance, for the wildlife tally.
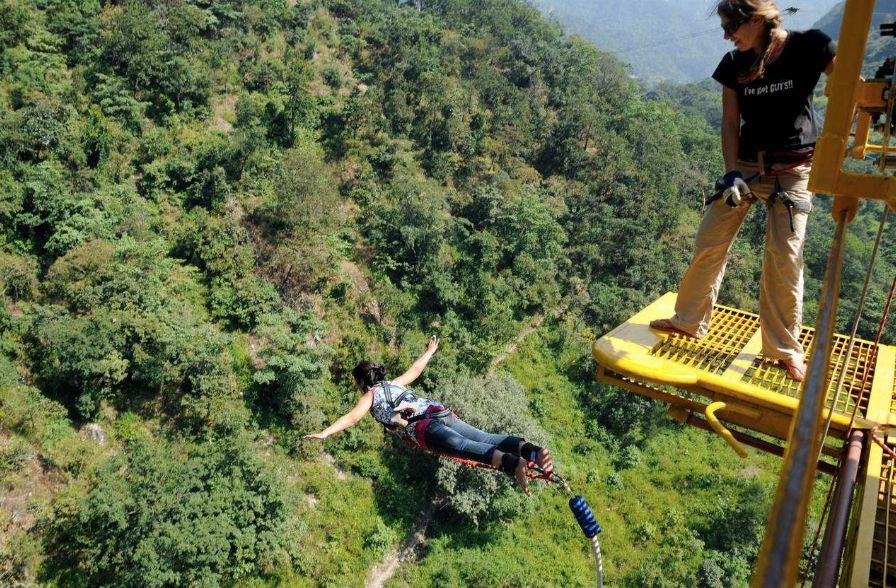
(78, 358)
(132, 325)
(300, 220)
(146, 46)
(220, 250)
(293, 367)
(18, 276)
(496, 405)
(168, 515)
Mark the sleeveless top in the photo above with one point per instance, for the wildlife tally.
(383, 414)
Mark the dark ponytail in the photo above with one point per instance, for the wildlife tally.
(367, 374)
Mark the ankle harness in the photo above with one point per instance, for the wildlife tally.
(509, 463)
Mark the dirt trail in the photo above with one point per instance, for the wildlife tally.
(406, 550)
(530, 328)
(331, 461)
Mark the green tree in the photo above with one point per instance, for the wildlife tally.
(162, 514)
(496, 405)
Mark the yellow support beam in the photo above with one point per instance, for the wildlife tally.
(864, 538)
(842, 91)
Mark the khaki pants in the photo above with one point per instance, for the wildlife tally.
(781, 288)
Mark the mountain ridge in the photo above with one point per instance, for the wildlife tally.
(683, 45)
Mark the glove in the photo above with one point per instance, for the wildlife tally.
(736, 190)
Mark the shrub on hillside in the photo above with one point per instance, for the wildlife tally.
(78, 358)
(18, 276)
(161, 515)
(300, 220)
(132, 326)
(496, 405)
(218, 248)
(292, 368)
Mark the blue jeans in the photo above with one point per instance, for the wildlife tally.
(452, 436)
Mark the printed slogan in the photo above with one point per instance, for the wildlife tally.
(768, 88)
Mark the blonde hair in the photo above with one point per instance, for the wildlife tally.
(771, 15)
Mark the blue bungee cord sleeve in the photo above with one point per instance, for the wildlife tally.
(584, 516)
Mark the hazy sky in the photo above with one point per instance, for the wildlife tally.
(672, 39)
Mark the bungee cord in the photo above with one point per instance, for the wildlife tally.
(577, 504)
(882, 163)
(852, 336)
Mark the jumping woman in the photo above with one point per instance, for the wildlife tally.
(429, 425)
(768, 135)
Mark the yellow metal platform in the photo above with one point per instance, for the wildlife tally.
(728, 366)
(727, 369)
(872, 546)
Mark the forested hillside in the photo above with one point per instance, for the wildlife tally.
(213, 209)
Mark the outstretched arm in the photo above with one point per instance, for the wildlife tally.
(407, 378)
(346, 420)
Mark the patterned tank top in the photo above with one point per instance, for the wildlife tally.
(383, 414)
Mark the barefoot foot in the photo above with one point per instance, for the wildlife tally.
(795, 369)
(520, 475)
(666, 326)
(544, 461)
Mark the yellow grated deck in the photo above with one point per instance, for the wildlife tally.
(883, 552)
(730, 332)
(727, 365)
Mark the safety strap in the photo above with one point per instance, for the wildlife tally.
(793, 158)
(533, 472)
(392, 403)
(789, 204)
(439, 414)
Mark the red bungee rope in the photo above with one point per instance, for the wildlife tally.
(533, 473)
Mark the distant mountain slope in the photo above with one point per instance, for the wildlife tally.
(878, 47)
(884, 11)
(675, 40)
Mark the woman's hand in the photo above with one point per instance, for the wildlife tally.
(407, 378)
(399, 421)
(314, 436)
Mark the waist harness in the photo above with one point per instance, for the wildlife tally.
(765, 161)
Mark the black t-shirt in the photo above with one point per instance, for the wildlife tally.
(776, 109)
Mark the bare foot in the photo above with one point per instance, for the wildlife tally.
(544, 461)
(520, 475)
(666, 326)
(795, 369)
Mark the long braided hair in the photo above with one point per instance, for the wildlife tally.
(743, 10)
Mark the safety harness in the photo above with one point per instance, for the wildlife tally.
(439, 414)
(790, 160)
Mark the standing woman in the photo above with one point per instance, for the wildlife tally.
(429, 425)
(768, 134)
